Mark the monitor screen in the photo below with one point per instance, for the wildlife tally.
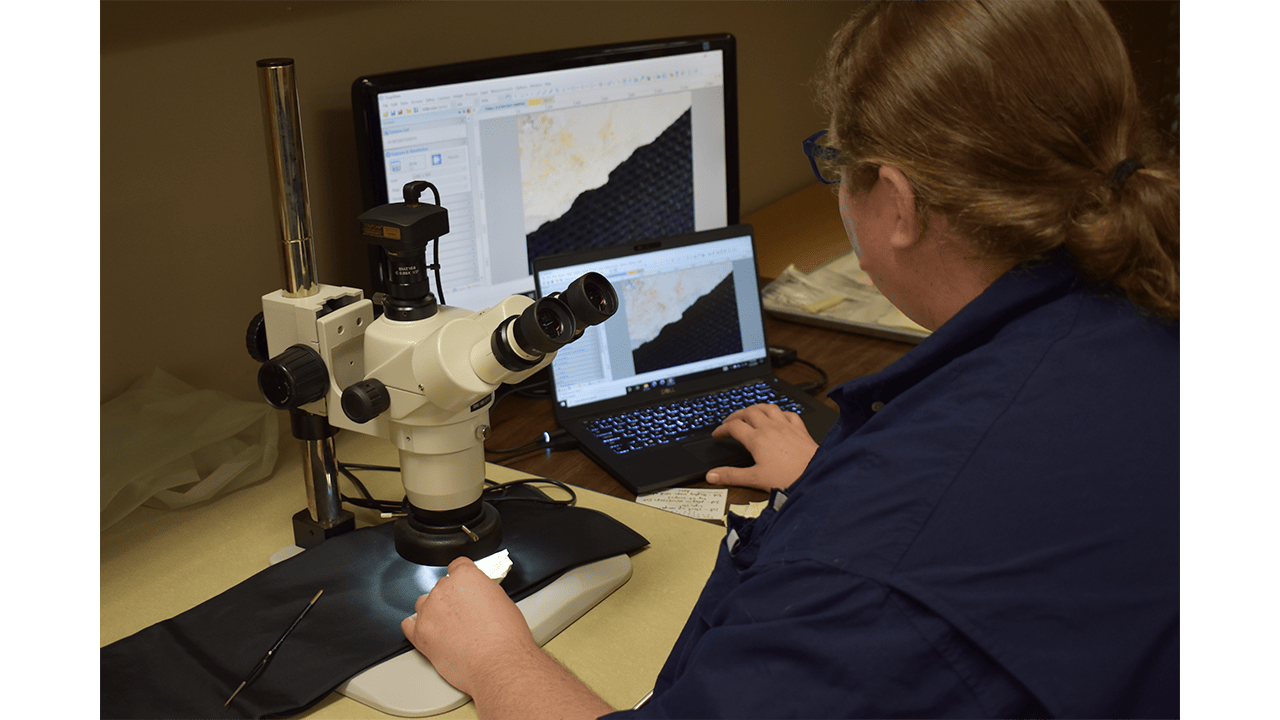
(554, 152)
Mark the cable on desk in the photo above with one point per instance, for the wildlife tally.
(531, 445)
(368, 501)
(379, 468)
(815, 386)
(497, 492)
(549, 448)
(783, 356)
(513, 455)
(555, 440)
(534, 391)
(493, 491)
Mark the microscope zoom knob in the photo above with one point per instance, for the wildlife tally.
(255, 339)
(293, 378)
(365, 400)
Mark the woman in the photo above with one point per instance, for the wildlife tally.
(992, 527)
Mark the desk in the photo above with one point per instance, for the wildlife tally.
(156, 564)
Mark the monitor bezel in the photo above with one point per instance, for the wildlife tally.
(365, 91)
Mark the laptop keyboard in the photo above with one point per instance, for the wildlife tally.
(680, 419)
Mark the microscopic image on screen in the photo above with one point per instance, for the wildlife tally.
(607, 174)
(681, 317)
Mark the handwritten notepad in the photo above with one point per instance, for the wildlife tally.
(698, 503)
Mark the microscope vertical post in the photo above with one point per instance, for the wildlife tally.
(293, 215)
(289, 176)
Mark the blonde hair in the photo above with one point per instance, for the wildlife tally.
(1009, 119)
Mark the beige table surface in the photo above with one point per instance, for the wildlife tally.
(155, 564)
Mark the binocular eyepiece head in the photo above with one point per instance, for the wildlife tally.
(554, 321)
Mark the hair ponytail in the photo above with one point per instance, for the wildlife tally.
(1011, 119)
(1131, 239)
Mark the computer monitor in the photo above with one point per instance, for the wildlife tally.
(553, 152)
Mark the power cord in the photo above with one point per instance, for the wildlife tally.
(555, 440)
(536, 391)
(493, 491)
(368, 501)
(435, 249)
(783, 356)
(815, 386)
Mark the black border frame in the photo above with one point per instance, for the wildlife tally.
(365, 91)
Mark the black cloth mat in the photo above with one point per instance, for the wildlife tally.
(187, 666)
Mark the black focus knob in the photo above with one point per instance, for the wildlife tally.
(365, 400)
(255, 339)
(293, 378)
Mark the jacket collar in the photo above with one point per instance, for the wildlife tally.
(1016, 293)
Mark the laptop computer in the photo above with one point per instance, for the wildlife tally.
(642, 391)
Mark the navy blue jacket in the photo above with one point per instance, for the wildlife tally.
(991, 530)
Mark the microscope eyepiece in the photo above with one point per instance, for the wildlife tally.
(545, 326)
(550, 323)
(521, 341)
(591, 299)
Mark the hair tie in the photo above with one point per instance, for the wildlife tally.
(1122, 171)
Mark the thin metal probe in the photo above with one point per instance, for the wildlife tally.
(266, 659)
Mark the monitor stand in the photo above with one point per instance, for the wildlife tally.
(407, 685)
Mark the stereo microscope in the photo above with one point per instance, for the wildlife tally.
(421, 375)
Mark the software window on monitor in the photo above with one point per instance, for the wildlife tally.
(549, 162)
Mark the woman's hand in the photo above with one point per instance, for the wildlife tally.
(480, 643)
(777, 440)
(468, 626)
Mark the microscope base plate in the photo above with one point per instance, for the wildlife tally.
(407, 685)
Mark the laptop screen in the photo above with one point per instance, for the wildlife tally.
(685, 311)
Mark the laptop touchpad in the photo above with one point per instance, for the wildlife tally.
(720, 452)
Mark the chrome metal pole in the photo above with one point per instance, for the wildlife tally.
(288, 174)
(293, 217)
(320, 464)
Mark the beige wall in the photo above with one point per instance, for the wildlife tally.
(188, 243)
